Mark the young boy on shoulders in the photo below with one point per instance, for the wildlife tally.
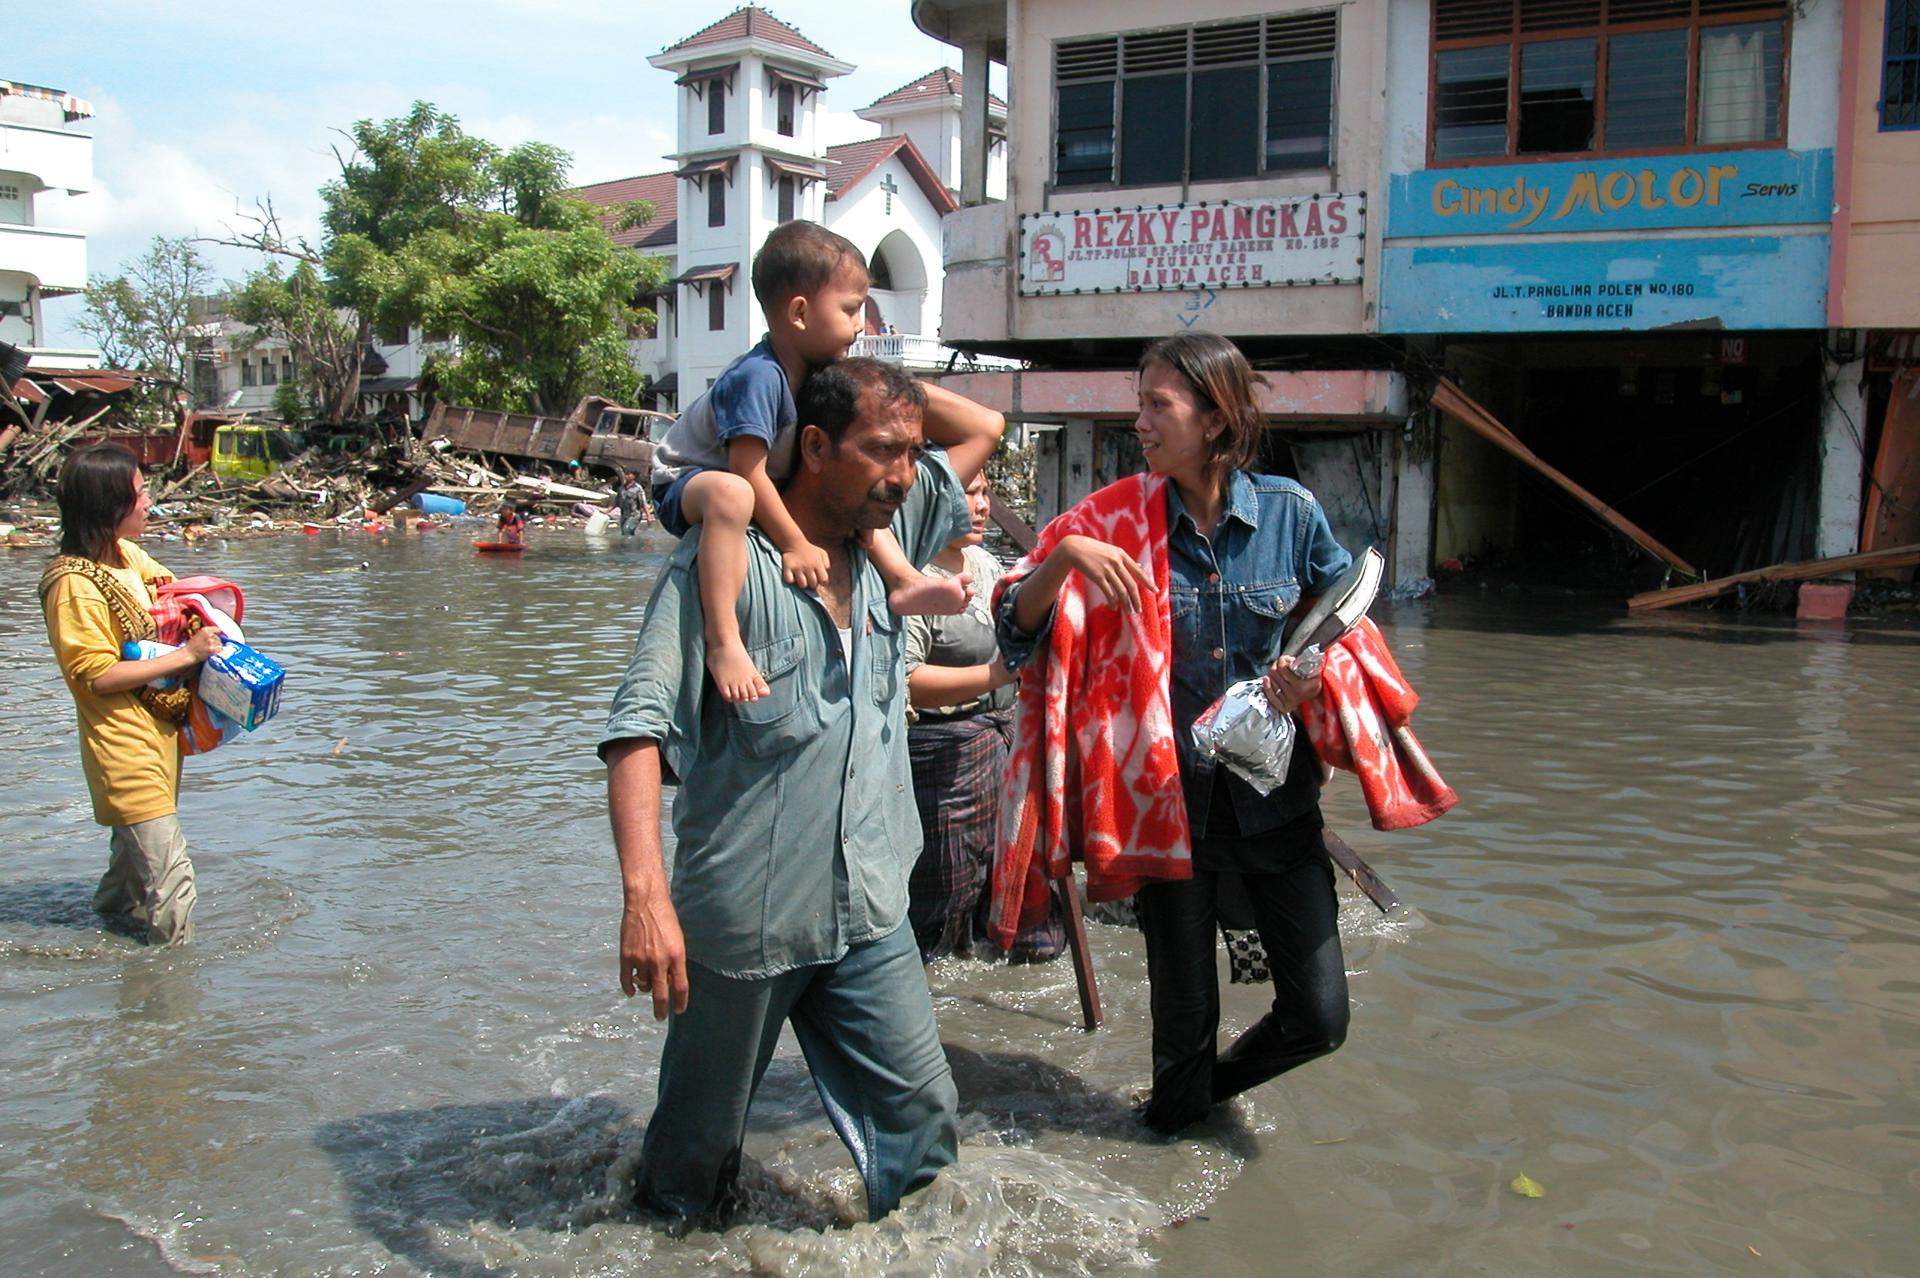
(723, 461)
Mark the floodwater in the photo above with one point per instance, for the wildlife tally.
(1662, 960)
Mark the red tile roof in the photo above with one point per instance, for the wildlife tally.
(749, 22)
(848, 163)
(662, 189)
(944, 82)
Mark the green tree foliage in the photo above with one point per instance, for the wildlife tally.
(291, 305)
(290, 402)
(429, 226)
(141, 318)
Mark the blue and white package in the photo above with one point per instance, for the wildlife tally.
(147, 650)
(242, 684)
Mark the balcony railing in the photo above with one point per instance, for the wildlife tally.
(916, 351)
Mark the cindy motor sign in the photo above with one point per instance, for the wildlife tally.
(1726, 188)
(1259, 243)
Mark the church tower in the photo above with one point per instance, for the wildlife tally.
(749, 157)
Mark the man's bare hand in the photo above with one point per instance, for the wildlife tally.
(653, 955)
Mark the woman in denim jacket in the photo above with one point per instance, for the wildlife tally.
(1242, 550)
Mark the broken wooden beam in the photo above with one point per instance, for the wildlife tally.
(558, 492)
(1808, 570)
(1081, 952)
(1360, 872)
(1018, 530)
(399, 495)
(1457, 404)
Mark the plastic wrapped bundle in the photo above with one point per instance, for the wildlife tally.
(1243, 731)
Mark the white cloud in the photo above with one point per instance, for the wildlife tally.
(844, 126)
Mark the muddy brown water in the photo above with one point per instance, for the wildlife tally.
(1663, 960)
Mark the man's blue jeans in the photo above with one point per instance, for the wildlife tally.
(866, 1026)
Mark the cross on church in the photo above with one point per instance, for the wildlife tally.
(891, 187)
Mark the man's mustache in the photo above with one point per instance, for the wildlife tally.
(888, 494)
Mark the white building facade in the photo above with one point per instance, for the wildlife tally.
(749, 156)
(43, 161)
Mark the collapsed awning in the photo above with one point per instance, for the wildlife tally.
(668, 385)
(387, 385)
(700, 168)
(85, 381)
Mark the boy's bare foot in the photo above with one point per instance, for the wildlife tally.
(925, 596)
(733, 672)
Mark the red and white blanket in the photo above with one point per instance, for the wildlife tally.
(1362, 721)
(1095, 775)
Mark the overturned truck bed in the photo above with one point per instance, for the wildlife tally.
(522, 435)
(597, 433)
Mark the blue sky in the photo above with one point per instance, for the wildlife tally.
(204, 107)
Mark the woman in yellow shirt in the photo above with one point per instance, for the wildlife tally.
(97, 594)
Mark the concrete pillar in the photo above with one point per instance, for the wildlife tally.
(1076, 470)
(1416, 468)
(973, 125)
(1048, 445)
(1843, 459)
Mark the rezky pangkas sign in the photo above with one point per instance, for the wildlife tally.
(1259, 243)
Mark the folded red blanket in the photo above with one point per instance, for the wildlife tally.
(1361, 722)
(1094, 776)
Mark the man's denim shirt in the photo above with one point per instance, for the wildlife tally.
(1230, 598)
(795, 823)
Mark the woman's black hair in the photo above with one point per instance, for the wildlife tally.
(96, 493)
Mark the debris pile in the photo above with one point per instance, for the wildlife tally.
(315, 490)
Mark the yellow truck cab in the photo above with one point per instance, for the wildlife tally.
(248, 450)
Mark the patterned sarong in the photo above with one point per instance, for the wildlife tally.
(959, 766)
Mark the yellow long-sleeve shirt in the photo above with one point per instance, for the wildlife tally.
(131, 756)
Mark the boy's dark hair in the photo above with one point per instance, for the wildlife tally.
(830, 397)
(797, 261)
(96, 493)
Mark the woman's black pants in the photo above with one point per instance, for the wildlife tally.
(1297, 915)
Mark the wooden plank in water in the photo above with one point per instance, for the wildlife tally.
(1069, 897)
(1360, 872)
(1891, 557)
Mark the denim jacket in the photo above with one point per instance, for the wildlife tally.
(1230, 597)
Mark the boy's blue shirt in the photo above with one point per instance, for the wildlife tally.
(750, 400)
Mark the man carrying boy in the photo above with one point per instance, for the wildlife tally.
(722, 461)
(795, 818)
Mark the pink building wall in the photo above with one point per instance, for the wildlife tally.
(983, 302)
(1876, 233)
